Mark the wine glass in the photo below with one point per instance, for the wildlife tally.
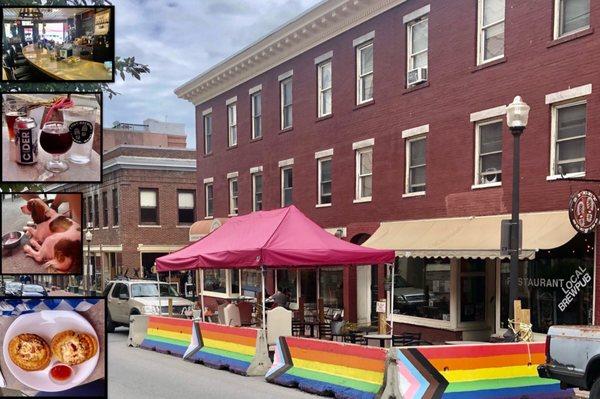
(56, 140)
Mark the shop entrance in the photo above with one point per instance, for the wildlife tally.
(476, 298)
(364, 293)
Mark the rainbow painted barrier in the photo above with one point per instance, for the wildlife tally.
(168, 335)
(329, 368)
(486, 371)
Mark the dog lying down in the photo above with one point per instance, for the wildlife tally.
(55, 240)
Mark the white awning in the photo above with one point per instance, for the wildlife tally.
(470, 237)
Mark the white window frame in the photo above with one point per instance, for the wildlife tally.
(319, 182)
(554, 135)
(256, 133)
(322, 91)
(359, 74)
(409, 53)
(207, 132)
(233, 199)
(232, 136)
(283, 106)
(254, 203)
(481, 32)
(558, 21)
(407, 192)
(478, 124)
(282, 191)
(208, 215)
(358, 197)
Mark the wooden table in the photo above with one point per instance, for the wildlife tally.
(382, 338)
(14, 172)
(62, 70)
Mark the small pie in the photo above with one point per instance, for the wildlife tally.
(73, 348)
(30, 352)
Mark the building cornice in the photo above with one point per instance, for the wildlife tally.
(152, 163)
(315, 26)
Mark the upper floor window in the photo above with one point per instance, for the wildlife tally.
(568, 138)
(570, 16)
(104, 209)
(488, 147)
(324, 82)
(207, 119)
(96, 211)
(415, 165)
(287, 186)
(257, 191)
(232, 125)
(286, 103)
(417, 50)
(324, 180)
(90, 211)
(256, 105)
(233, 196)
(364, 72)
(186, 207)
(364, 173)
(208, 199)
(148, 206)
(115, 205)
(491, 30)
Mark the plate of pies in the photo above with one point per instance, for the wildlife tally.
(51, 350)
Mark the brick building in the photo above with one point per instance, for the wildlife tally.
(395, 111)
(145, 205)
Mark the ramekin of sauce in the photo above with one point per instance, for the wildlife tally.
(61, 372)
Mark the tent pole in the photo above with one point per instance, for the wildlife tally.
(158, 286)
(263, 269)
(202, 293)
(392, 299)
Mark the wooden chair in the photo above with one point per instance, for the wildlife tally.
(325, 331)
(405, 339)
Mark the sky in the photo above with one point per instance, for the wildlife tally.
(178, 40)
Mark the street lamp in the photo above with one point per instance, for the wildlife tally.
(88, 238)
(517, 115)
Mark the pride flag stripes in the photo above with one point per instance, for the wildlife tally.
(168, 335)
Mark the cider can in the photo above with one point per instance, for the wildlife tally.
(25, 147)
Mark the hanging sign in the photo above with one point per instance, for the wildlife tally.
(584, 211)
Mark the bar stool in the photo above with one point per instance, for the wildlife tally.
(14, 72)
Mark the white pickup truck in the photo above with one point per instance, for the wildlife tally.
(573, 357)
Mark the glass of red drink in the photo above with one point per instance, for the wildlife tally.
(56, 140)
(12, 110)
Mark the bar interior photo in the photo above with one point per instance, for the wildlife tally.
(52, 44)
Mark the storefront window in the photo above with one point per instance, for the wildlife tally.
(251, 282)
(472, 290)
(331, 285)
(557, 285)
(308, 286)
(422, 288)
(287, 283)
(215, 280)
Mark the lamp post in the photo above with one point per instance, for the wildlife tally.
(517, 115)
(91, 268)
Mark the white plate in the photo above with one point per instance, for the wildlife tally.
(46, 324)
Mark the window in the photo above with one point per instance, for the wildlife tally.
(119, 289)
(364, 173)
(331, 287)
(257, 191)
(287, 282)
(488, 157)
(256, 99)
(148, 206)
(115, 204)
(208, 199)
(104, 209)
(286, 103)
(491, 30)
(286, 186)
(186, 207)
(207, 133)
(568, 136)
(571, 16)
(472, 293)
(232, 125)
(415, 161)
(417, 46)
(251, 283)
(324, 82)
(215, 280)
(90, 209)
(364, 73)
(233, 196)
(324, 176)
(96, 211)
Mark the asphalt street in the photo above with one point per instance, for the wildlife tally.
(136, 373)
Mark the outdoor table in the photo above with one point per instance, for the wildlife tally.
(380, 337)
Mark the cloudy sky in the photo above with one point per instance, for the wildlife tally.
(179, 39)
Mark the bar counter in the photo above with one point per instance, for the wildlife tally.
(63, 70)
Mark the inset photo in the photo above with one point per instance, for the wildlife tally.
(53, 346)
(41, 233)
(51, 44)
(51, 137)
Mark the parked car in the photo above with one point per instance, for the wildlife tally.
(133, 297)
(17, 289)
(573, 357)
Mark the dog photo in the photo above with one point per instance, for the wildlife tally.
(41, 233)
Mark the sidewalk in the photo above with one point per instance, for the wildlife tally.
(61, 293)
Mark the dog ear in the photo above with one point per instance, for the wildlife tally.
(38, 209)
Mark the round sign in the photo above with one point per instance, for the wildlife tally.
(583, 211)
(81, 131)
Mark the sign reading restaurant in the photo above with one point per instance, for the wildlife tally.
(583, 211)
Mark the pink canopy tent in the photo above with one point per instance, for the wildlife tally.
(281, 238)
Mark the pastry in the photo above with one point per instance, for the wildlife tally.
(73, 348)
(29, 351)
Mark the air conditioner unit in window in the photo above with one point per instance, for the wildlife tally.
(417, 76)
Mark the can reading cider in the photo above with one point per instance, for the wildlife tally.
(25, 146)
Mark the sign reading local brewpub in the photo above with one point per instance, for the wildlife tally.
(584, 211)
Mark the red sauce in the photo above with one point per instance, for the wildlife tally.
(60, 372)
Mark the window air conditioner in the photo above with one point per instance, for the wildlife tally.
(417, 76)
